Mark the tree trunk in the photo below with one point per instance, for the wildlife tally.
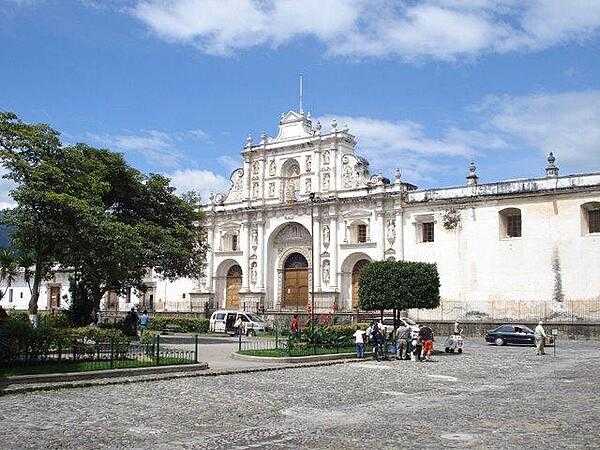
(35, 295)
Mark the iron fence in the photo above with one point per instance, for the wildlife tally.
(291, 347)
(80, 355)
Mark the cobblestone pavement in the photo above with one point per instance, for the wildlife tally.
(489, 397)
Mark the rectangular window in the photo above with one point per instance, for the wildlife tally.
(513, 225)
(362, 233)
(234, 242)
(428, 232)
(594, 220)
(10, 295)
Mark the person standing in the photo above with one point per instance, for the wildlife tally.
(359, 339)
(540, 338)
(402, 342)
(238, 325)
(426, 337)
(294, 325)
(144, 321)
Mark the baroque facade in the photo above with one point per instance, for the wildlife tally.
(519, 249)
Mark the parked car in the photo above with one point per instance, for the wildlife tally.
(513, 334)
(222, 321)
(402, 322)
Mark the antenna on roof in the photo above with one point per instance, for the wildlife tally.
(301, 95)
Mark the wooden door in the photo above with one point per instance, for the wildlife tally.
(232, 288)
(355, 277)
(54, 300)
(295, 288)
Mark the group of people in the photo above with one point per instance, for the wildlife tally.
(135, 322)
(409, 342)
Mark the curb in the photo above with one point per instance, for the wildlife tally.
(294, 359)
(198, 374)
(99, 374)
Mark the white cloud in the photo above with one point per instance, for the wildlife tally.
(156, 146)
(567, 124)
(442, 29)
(229, 162)
(201, 181)
(405, 144)
(6, 186)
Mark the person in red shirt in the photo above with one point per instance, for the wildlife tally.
(295, 325)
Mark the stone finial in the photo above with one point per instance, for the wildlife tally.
(398, 175)
(334, 124)
(551, 168)
(263, 138)
(472, 177)
(345, 128)
(249, 141)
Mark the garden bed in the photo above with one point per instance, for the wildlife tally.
(296, 352)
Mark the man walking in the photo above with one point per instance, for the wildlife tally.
(359, 339)
(540, 338)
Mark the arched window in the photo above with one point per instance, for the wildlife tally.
(591, 217)
(510, 223)
(290, 172)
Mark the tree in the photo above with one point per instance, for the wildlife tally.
(9, 270)
(398, 285)
(32, 156)
(87, 211)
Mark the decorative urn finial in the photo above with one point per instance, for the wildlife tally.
(249, 141)
(551, 168)
(398, 175)
(263, 137)
(334, 124)
(472, 177)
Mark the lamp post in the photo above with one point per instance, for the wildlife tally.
(311, 197)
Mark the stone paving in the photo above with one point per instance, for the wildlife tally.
(489, 397)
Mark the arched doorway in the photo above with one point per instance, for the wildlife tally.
(232, 287)
(358, 267)
(295, 282)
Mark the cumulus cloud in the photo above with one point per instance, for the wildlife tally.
(407, 145)
(156, 146)
(567, 124)
(441, 29)
(201, 181)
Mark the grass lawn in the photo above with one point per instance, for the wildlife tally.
(87, 366)
(308, 351)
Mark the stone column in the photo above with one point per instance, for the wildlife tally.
(334, 250)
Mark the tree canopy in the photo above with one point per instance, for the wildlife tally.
(87, 211)
(398, 285)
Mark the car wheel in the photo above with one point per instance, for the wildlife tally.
(250, 333)
(459, 351)
(447, 350)
(499, 341)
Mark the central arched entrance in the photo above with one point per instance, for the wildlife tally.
(295, 282)
(232, 287)
(356, 270)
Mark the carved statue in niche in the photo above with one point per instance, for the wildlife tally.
(254, 237)
(326, 157)
(253, 272)
(237, 180)
(326, 272)
(308, 163)
(255, 190)
(255, 167)
(326, 178)
(308, 185)
(326, 235)
(272, 168)
(271, 189)
(347, 175)
(390, 231)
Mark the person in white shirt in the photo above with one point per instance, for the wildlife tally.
(540, 338)
(238, 325)
(359, 339)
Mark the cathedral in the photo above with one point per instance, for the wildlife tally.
(303, 215)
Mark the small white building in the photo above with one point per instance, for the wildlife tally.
(519, 249)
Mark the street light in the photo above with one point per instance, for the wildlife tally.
(312, 197)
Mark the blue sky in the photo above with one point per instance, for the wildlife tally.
(427, 86)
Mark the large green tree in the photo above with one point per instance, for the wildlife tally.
(87, 211)
(398, 286)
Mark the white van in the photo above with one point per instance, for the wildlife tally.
(222, 321)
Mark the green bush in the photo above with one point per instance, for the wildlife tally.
(328, 336)
(183, 324)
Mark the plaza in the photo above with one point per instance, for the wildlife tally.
(489, 397)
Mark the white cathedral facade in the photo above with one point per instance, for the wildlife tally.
(304, 203)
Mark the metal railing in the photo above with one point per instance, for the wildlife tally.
(80, 355)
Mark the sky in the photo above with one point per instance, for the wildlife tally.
(427, 86)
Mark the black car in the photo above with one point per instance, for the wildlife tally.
(510, 334)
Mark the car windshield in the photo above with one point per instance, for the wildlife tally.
(254, 318)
